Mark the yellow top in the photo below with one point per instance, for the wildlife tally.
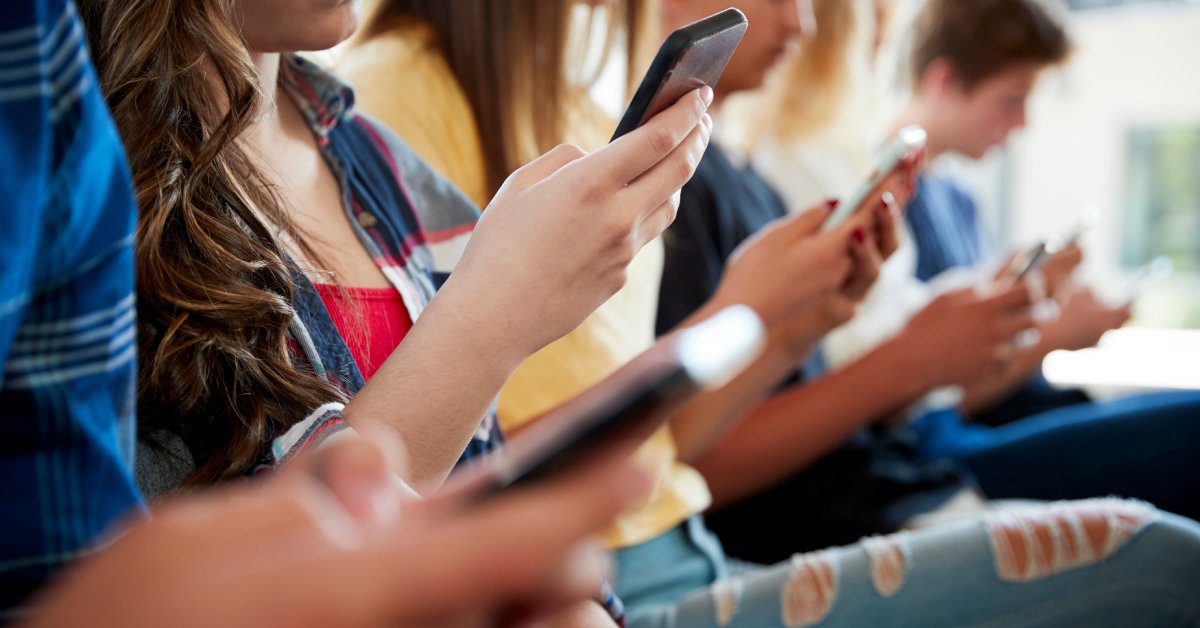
(405, 82)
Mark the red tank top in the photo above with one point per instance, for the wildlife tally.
(373, 321)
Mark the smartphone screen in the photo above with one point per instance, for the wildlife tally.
(690, 58)
(907, 143)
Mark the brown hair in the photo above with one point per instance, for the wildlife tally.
(215, 288)
(512, 60)
(980, 38)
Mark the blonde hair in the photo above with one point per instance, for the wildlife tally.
(515, 60)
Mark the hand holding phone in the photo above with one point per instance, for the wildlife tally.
(1152, 274)
(907, 143)
(618, 414)
(1026, 262)
(690, 58)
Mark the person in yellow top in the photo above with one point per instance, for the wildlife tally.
(476, 88)
(406, 81)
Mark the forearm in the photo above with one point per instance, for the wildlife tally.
(434, 390)
(710, 416)
(797, 427)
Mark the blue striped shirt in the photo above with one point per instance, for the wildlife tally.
(67, 346)
(945, 226)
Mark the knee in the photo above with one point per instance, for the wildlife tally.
(1033, 543)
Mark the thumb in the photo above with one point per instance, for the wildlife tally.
(357, 472)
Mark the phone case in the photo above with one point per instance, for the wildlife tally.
(690, 58)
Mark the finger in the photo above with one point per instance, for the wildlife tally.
(551, 162)
(1012, 324)
(506, 548)
(886, 227)
(578, 577)
(668, 175)
(865, 264)
(1016, 296)
(658, 221)
(290, 505)
(807, 222)
(632, 155)
(360, 477)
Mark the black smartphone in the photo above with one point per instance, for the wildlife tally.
(1027, 262)
(692, 57)
(621, 412)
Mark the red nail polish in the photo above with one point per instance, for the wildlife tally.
(859, 236)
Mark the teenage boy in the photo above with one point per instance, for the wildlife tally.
(973, 66)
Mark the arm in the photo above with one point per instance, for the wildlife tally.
(342, 548)
(955, 338)
(794, 428)
(803, 284)
(791, 277)
(552, 246)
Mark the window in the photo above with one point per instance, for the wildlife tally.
(1162, 214)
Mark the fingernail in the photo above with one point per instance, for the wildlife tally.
(889, 199)
(832, 203)
(859, 236)
(706, 94)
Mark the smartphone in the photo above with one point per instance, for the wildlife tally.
(692, 57)
(1143, 279)
(1027, 262)
(907, 143)
(1088, 218)
(621, 412)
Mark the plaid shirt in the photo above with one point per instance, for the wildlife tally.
(66, 302)
(414, 224)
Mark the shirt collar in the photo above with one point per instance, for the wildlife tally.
(324, 100)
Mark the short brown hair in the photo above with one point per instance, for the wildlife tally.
(981, 38)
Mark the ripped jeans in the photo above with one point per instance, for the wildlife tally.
(1095, 563)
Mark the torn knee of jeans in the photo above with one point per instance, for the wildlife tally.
(889, 556)
(810, 590)
(727, 597)
(1033, 543)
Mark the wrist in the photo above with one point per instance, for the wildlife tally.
(484, 335)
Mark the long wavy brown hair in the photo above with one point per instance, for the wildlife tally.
(215, 287)
(521, 63)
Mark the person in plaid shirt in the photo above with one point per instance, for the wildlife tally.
(267, 198)
(66, 302)
(66, 346)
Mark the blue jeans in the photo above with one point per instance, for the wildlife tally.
(1145, 447)
(964, 574)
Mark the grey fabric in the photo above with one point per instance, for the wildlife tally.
(160, 466)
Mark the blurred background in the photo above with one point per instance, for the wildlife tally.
(1116, 129)
(1114, 133)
